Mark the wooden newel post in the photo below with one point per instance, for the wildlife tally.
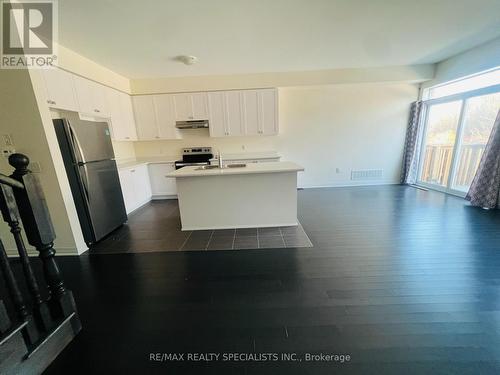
(40, 233)
(10, 215)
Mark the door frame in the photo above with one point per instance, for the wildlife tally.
(463, 98)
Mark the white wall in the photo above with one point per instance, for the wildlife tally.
(24, 116)
(478, 59)
(352, 126)
(124, 150)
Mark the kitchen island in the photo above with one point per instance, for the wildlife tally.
(254, 195)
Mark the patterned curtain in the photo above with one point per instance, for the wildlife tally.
(485, 188)
(411, 149)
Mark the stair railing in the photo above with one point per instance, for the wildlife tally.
(22, 200)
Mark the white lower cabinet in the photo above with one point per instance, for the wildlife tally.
(136, 187)
(161, 185)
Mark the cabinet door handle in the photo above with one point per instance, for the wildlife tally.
(156, 136)
(96, 110)
(127, 137)
(132, 170)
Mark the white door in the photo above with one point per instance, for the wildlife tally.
(217, 122)
(115, 114)
(60, 89)
(129, 131)
(183, 107)
(268, 112)
(234, 113)
(142, 186)
(145, 117)
(165, 116)
(251, 112)
(128, 192)
(91, 97)
(160, 183)
(199, 107)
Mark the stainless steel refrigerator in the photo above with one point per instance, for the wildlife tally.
(93, 176)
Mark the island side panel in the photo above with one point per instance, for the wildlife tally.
(238, 201)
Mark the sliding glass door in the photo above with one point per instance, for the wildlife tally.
(455, 134)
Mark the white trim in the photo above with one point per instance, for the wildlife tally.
(163, 196)
(12, 251)
(354, 184)
(464, 95)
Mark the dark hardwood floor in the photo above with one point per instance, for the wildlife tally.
(402, 280)
(157, 227)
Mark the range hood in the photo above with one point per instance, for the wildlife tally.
(191, 124)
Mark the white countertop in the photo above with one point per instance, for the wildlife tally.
(248, 155)
(251, 168)
(129, 163)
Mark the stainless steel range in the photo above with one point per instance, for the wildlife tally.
(195, 156)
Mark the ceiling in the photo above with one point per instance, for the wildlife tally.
(139, 39)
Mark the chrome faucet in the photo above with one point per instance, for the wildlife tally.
(220, 160)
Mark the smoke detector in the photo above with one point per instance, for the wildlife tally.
(187, 60)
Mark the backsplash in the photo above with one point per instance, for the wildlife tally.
(199, 137)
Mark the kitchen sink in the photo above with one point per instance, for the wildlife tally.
(204, 167)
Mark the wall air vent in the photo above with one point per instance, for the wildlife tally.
(366, 174)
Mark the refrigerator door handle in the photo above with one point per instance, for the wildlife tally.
(85, 181)
(76, 145)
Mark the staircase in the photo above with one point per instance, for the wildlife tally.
(38, 315)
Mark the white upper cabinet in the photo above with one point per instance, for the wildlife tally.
(268, 111)
(60, 89)
(155, 117)
(251, 112)
(190, 106)
(145, 117)
(91, 97)
(245, 112)
(121, 115)
(165, 116)
(226, 113)
(128, 132)
(217, 120)
(199, 105)
(234, 113)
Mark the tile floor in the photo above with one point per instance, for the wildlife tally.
(156, 227)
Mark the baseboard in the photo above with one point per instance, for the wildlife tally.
(163, 196)
(12, 252)
(349, 184)
(142, 204)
